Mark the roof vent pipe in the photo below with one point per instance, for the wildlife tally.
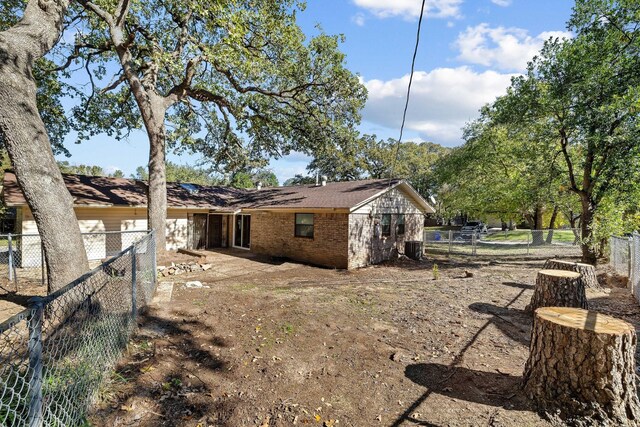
(317, 183)
(324, 180)
(259, 186)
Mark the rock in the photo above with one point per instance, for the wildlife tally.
(206, 267)
(194, 284)
(397, 357)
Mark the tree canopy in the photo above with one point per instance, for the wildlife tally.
(370, 157)
(236, 81)
(569, 125)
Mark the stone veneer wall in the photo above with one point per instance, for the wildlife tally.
(365, 249)
(273, 234)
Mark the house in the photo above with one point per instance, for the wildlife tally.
(337, 224)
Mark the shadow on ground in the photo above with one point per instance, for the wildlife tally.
(487, 388)
(513, 322)
(165, 378)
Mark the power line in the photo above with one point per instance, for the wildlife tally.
(406, 104)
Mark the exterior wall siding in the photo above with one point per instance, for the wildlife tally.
(394, 201)
(273, 234)
(99, 220)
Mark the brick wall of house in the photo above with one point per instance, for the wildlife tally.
(273, 234)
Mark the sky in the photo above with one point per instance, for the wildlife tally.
(468, 52)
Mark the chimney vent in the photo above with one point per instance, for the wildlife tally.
(259, 186)
(324, 180)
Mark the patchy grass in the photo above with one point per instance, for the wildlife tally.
(386, 345)
(524, 236)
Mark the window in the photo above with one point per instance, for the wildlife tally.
(304, 225)
(400, 224)
(385, 222)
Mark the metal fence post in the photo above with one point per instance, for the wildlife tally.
(10, 255)
(35, 362)
(450, 239)
(632, 262)
(134, 284)
(528, 243)
(42, 260)
(473, 243)
(154, 260)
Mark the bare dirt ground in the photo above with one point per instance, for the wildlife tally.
(279, 344)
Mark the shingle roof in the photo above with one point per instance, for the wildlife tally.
(334, 195)
(107, 191)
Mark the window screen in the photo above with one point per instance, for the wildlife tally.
(385, 222)
(304, 225)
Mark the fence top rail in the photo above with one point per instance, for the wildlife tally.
(14, 320)
(97, 233)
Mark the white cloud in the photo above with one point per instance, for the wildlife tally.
(358, 19)
(442, 101)
(506, 48)
(409, 9)
(112, 169)
(503, 3)
(289, 166)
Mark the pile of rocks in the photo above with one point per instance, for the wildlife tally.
(183, 267)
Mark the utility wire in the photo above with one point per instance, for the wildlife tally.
(406, 104)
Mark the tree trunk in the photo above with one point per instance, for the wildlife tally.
(573, 219)
(552, 225)
(582, 366)
(157, 190)
(537, 236)
(588, 271)
(28, 145)
(586, 222)
(558, 288)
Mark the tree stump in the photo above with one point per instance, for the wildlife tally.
(581, 366)
(558, 288)
(588, 271)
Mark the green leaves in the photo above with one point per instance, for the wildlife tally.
(571, 123)
(238, 78)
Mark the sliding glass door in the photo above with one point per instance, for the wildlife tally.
(242, 231)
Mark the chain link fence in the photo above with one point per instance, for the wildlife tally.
(55, 353)
(620, 254)
(514, 243)
(22, 263)
(624, 259)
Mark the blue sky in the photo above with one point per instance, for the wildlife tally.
(469, 50)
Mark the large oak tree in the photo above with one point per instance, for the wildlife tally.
(235, 81)
(25, 137)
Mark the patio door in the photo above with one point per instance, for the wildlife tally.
(242, 231)
(215, 231)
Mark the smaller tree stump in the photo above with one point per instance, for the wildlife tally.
(588, 271)
(558, 288)
(582, 365)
